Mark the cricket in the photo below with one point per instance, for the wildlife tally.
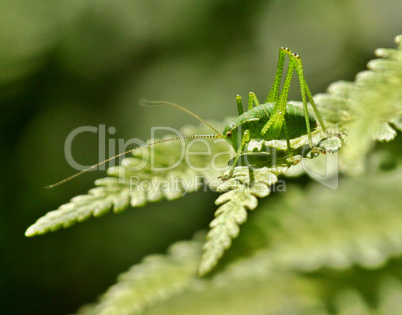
(275, 119)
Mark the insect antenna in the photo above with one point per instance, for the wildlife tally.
(128, 151)
(163, 103)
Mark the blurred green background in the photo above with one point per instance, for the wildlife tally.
(66, 64)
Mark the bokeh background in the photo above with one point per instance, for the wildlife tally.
(66, 64)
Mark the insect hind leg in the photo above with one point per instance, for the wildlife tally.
(306, 95)
(285, 129)
(275, 122)
(274, 92)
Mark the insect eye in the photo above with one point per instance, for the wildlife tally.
(228, 134)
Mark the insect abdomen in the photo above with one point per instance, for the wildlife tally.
(295, 121)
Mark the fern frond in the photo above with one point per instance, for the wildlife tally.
(350, 301)
(389, 299)
(167, 284)
(359, 225)
(241, 192)
(109, 194)
(287, 294)
(368, 109)
(131, 185)
(157, 278)
(390, 296)
(308, 230)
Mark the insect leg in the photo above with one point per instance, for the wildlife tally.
(274, 92)
(304, 86)
(252, 99)
(285, 129)
(317, 113)
(274, 124)
(245, 139)
(299, 70)
(239, 104)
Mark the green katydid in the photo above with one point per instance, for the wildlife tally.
(273, 120)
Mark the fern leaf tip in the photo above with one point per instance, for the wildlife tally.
(30, 232)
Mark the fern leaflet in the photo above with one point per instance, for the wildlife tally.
(369, 108)
(157, 278)
(129, 186)
(243, 190)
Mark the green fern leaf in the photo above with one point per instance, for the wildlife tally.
(287, 294)
(233, 211)
(389, 297)
(350, 301)
(167, 284)
(359, 225)
(302, 232)
(384, 133)
(368, 109)
(268, 159)
(305, 232)
(397, 123)
(157, 278)
(110, 194)
(130, 185)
